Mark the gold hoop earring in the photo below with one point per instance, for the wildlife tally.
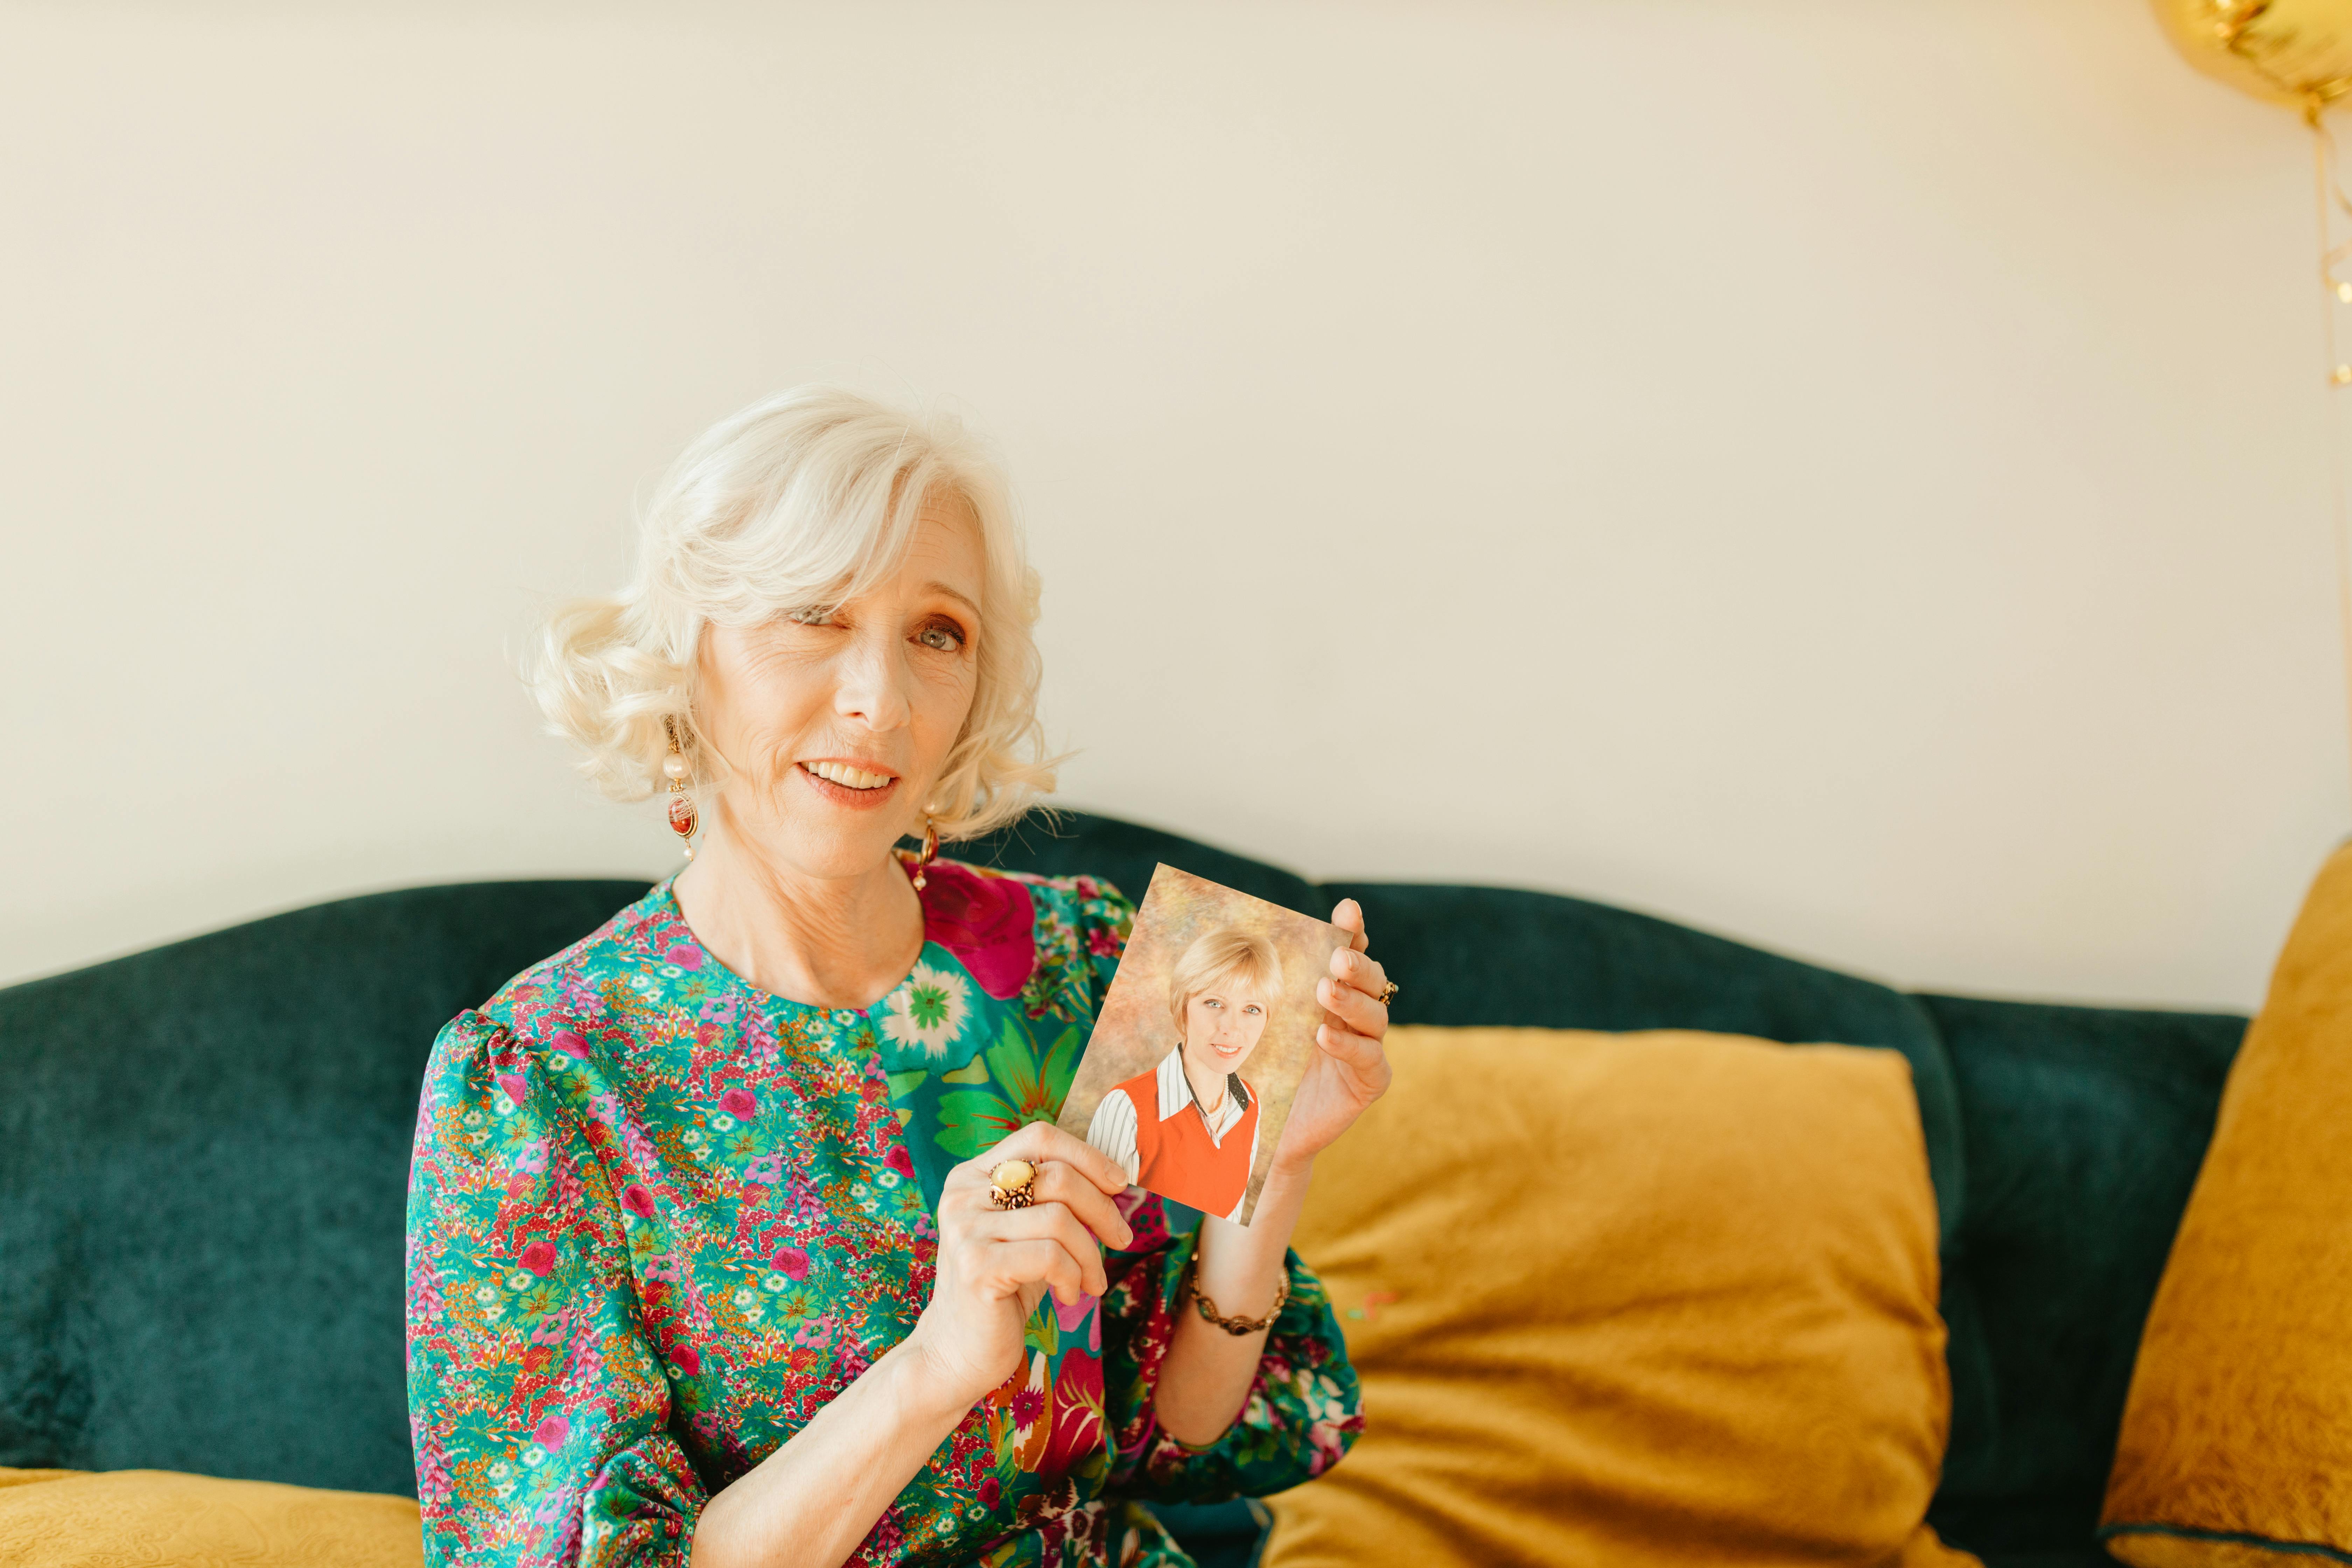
(930, 851)
(682, 818)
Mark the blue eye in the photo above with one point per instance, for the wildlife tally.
(812, 615)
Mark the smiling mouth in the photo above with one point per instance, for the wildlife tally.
(847, 777)
(849, 786)
(1226, 1051)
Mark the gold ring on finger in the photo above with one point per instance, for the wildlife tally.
(1010, 1182)
(1388, 993)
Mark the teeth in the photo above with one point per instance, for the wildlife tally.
(842, 773)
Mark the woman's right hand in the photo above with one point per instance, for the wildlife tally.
(995, 1264)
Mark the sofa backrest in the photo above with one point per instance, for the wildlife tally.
(203, 1155)
(203, 1169)
(2085, 1128)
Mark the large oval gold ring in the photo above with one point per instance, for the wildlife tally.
(1388, 993)
(1008, 1184)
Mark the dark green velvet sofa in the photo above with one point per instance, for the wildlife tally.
(203, 1152)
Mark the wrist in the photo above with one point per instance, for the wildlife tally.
(1229, 1315)
(929, 1387)
(1290, 1172)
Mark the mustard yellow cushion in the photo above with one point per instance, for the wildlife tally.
(114, 1518)
(1629, 1300)
(2237, 1438)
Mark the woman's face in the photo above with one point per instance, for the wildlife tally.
(835, 728)
(1221, 1024)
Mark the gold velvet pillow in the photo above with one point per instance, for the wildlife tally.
(115, 1519)
(1653, 1299)
(2237, 1440)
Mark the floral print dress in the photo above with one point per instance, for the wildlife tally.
(658, 1217)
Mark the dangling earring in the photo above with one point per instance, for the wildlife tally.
(682, 819)
(931, 850)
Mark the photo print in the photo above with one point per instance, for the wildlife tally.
(1202, 1038)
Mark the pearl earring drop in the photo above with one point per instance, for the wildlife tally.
(682, 818)
(930, 853)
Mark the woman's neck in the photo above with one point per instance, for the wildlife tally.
(826, 942)
(1209, 1105)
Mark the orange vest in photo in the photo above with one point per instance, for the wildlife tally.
(1176, 1159)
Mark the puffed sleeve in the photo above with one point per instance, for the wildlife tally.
(539, 1409)
(1303, 1411)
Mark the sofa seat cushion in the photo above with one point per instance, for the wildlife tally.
(1650, 1299)
(71, 1518)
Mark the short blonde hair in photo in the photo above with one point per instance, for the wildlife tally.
(802, 500)
(1217, 954)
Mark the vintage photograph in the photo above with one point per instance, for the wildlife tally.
(1201, 1042)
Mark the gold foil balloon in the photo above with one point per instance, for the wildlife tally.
(2295, 52)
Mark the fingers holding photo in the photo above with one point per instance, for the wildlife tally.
(1363, 1014)
(1359, 970)
(1059, 1185)
(1041, 1142)
(1050, 1169)
(1364, 1053)
(1047, 1244)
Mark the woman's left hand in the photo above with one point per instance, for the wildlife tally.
(1349, 1070)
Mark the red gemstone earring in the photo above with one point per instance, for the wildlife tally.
(682, 819)
(931, 850)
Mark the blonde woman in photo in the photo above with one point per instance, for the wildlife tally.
(740, 1232)
(1187, 1128)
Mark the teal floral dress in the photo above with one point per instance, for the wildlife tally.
(656, 1218)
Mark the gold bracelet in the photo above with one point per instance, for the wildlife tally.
(1238, 1326)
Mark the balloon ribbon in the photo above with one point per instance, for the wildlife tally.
(2334, 288)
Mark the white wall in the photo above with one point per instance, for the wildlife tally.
(1848, 476)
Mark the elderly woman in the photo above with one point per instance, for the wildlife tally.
(731, 1226)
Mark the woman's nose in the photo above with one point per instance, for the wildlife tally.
(871, 683)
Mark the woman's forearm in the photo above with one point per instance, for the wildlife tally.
(1208, 1371)
(809, 1504)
